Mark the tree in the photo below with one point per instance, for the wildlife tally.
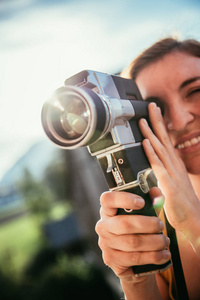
(37, 195)
(57, 177)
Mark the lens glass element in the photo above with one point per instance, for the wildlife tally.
(72, 116)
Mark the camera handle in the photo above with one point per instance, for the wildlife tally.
(147, 210)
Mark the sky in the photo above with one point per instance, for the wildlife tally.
(43, 42)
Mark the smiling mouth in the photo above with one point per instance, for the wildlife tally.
(189, 143)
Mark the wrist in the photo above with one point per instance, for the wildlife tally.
(189, 219)
(143, 288)
(191, 230)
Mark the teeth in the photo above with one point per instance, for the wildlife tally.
(189, 143)
(194, 141)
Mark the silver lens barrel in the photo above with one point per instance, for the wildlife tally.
(74, 117)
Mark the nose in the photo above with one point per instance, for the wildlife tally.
(177, 116)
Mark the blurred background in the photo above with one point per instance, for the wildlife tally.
(49, 198)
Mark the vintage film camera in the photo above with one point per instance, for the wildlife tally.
(101, 111)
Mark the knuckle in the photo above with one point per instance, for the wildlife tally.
(166, 241)
(165, 140)
(161, 256)
(107, 258)
(156, 225)
(135, 241)
(101, 243)
(101, 211)
(163, 152)
(124, 224)
(136, 258)
(100, 228)
(160, 242)
(107, 198)
(104, 198)
(156, 257)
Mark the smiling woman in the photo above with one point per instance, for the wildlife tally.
(169, 73)
(175, 82)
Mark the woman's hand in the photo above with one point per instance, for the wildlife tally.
(181, 202)
(127, 240)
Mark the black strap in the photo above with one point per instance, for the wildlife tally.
(181, 287)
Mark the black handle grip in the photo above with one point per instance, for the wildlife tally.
(147, 210)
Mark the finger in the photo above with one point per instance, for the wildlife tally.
(157, 198)
(160, 139)
(155, 192)
(155, 142)
(159, 128)
(135, 242)
(129, 224)
(111, 201)
(126, 259)
(158, 125)
(161, 145)
(161, 166)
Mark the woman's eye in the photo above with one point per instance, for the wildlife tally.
(194, 95)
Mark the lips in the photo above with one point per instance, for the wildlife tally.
(188, 142)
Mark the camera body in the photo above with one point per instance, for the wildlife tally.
(119, 150)
(101, 111)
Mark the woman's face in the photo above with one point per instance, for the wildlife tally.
(174, 82)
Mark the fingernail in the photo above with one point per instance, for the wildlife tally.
(139, 201)
(156, 107)
(144, 121)
(153, 105)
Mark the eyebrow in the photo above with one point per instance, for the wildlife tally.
(158, 101)
(186, 82)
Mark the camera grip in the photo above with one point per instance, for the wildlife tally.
(147, 210)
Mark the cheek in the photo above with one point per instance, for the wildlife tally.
(166, 119)
(193, 165)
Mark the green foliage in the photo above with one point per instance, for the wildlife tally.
(9, 288)
(29, 270)
(63, 276)
(20, 240)
(40, 194)
(56, 176)
(45, 273)
(37, 196)
(22, 237)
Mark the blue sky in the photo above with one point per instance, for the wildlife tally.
(44, 42)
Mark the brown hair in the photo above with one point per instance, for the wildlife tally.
(157, 51)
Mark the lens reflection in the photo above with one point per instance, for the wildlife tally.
(74, 122)
(73, 116)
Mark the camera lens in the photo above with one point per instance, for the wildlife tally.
(73, 124)
(69, 116)
(74, 117)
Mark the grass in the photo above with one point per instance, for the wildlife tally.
(21, 238)
(59, 210)
(29, 269)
